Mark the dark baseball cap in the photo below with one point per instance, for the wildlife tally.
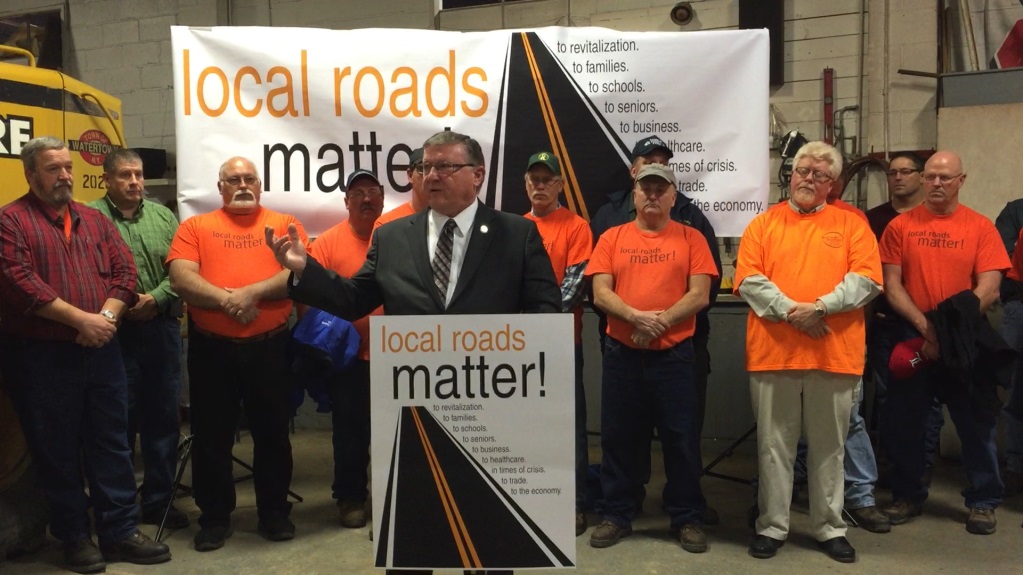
(359, 174)
(415, 157)
(648, 145)
(546, 158)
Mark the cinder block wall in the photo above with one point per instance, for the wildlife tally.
(124, 48)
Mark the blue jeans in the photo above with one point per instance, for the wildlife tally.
(1012, 331)
(860, 465)
(152, 364)
(907, 412)
(701, 372)
(349, 392)
(640, 387)
(73, 405)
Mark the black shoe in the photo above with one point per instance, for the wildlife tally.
(83, 556)
(277, 528)
(764, 547)
(212, 536)
(153, 515)
(137, 548)
(838, 548)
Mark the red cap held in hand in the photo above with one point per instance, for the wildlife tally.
(906, 360)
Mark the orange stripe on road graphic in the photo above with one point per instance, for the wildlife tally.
(573, 195)
(459, 531)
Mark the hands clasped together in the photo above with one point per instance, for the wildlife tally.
(804, 317)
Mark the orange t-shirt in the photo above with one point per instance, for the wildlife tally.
(1016, 271)
(651, 271)
(231, 252)
(941, 255)
(838, 203)
(339, 249)
(395, 214)
(568, 241)
(806, 256)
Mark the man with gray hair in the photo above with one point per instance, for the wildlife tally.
(66, 280)
(806, 269)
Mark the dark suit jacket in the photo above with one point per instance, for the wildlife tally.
(505, 270)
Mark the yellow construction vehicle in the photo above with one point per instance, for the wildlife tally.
(40, 102)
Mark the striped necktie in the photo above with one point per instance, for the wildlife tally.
(442, 259)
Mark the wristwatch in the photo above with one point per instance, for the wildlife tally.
(108, 314)
(819, 309)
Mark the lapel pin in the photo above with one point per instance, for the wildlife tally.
(484, 229)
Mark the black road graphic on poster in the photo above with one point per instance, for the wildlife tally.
(551, 113)
(447, 512)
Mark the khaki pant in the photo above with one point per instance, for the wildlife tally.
(816, 405)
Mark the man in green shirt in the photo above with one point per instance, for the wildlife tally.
(150, 335)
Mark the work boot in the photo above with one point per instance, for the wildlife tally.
(352, 513)
(899, 512)
(137, 548)
(981, 521)
(871, 519)
(83, 556)
(608, 533)
(692, 538)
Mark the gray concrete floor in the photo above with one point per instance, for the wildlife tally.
(934, 543)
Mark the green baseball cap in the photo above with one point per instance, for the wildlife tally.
(546, 158)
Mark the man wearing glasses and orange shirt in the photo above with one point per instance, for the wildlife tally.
(806, 269)
(931, 254)
(238, 319)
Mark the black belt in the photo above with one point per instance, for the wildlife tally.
(258, 337)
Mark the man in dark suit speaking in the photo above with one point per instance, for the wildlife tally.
(458, 257)
(496, 262)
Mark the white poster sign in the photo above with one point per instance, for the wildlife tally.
(310, 106)
(473, 442)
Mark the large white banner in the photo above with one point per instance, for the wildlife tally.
(473, 423)
(310, 106)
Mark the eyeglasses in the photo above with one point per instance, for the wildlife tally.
(237, 180)
(371, 193)
(818, 176)
(543, 181)
(445, 168)
(941, 177)
(904, 172)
